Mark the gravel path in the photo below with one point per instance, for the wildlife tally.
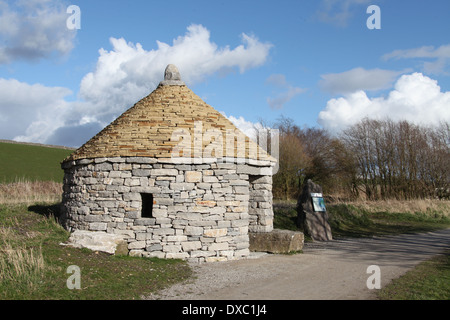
(327, 270)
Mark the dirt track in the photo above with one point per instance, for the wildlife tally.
(332, 270)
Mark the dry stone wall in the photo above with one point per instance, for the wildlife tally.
(200, 212)
(260, 203)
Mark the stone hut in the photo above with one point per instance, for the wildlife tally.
(173, 177)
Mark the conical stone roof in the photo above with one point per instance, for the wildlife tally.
(152, 126)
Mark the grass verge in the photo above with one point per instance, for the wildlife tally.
(430, 280)
(33, 264)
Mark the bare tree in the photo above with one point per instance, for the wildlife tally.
(399, 159)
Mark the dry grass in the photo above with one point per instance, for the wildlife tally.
(20, 263)
(30, 192)
(389, 206)
(405, 206)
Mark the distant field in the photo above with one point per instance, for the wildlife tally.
(20, 162)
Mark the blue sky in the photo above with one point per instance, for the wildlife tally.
(315, 62)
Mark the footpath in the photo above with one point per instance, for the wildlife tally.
(324, 271)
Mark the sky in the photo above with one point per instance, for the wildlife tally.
(69, 68)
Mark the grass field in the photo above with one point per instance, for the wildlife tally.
(21, 162)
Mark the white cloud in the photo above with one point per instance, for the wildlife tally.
(122, 76)
(440, 57)
(128, 71)
(30, 112)
(247, 127)
(288, 93)
(32, 30)
(358, 79)
(415, 98)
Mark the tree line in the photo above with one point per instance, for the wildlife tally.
(373, 160)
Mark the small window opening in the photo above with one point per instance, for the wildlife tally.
(147, 205)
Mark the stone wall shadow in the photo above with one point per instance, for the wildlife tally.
(52, 211)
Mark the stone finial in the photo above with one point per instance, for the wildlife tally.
(172, 77)
(172, 73)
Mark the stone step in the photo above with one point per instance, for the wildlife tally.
(276, 241)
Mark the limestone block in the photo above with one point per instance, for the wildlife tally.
(205, 186)
(125, 167)
(172, 248)
(218, 210)
(263, 180)
(210, 179)
(189, 216)
(176, 238)
(140, 160)
(115, 174)
(242, 252)
(206, 203)
(177, 255)
(239, 223)
(98, 241)
(164, 172)
(137, 245)
(132, 182)
(239, 183)
(97, 226)
(131, 196)
(241, 190)
(252, 170)
(93, 218)
(219, 246)
(141, 172)
(144, 222)
(163, 201)
(277, 241)
(193, 176)
(164, 231)
(203, 223)
(103, 167)
(214, 233)
(191, 245)
(154, 247)
(183, 186)
(135, 253)
(193, 231)
(202, 253)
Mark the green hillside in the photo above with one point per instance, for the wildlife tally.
(30, 162)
